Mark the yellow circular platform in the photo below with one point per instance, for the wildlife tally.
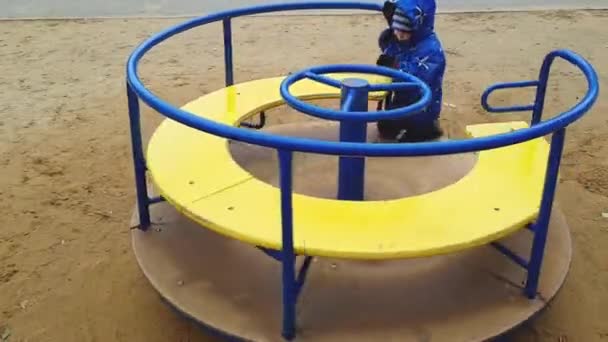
(196, 173)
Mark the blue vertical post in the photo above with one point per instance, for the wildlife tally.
(351, 173)
(288, 257)
(228, 52)
(541, 90)
(542, 223)
(138, 159)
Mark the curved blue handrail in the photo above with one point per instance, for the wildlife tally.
(508, 85)
(342, 148)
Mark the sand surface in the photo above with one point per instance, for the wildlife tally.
(67, 272)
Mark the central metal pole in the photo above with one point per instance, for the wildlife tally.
(351, 174)
(288, 257)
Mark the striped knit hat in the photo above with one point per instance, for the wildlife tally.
(401, 22)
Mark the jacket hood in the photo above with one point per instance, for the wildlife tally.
(421, 15)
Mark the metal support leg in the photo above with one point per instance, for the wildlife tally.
(351, 175)
(288, 256)
(155, 200)
(542, 224)
(138, 160)
(510, 254)
(259, 125)
(302, 275)
(228, 52)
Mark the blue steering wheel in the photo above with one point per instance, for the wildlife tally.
(401, 80)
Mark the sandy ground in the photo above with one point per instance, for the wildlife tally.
(67, 272)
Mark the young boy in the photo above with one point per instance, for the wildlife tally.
(409, 44)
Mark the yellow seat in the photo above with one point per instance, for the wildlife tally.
(195, 172)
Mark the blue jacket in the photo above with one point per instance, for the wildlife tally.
(421, 56)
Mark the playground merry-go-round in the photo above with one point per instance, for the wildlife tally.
(459, 241)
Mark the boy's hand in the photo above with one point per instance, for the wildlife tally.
(388, 10)
(385, 39)
(386, 60)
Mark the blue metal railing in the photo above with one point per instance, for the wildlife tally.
(363, 149)
(287, 145)
(541, 88)
(508, 85)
